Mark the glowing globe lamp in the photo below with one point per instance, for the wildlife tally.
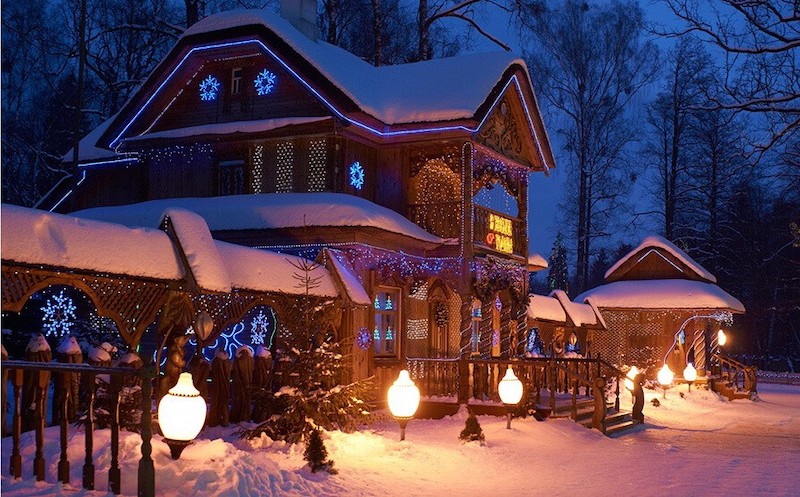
(630, 377)
(690, 374)
(510, 390)
(722, 338)
(665, 377)
(403, 400)
(181, 415)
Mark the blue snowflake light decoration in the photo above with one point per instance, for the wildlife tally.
(209, 88)
(356, 175)
(265, 82)
(59, 315)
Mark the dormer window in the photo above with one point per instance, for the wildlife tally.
(236, 81)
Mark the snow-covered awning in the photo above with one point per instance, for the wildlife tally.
(268, 211)
(661, 294)
(352, 287)
(31, 236)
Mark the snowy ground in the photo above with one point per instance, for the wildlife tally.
(698, 445)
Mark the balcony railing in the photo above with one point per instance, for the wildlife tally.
(481, 229)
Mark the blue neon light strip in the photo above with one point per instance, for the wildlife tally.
(117, 140)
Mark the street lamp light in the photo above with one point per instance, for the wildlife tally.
(690, 374)
(665, 377)
(403, 400)
(510, 390)
(181, 415)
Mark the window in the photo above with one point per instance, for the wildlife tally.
(230, 177)
(236, 81)
(386, 319)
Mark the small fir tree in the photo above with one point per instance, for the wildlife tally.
(472, 430)
(558, 275)
(317, 455)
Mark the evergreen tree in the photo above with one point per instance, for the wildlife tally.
(317, 455)
(472, 431)
(558, 276)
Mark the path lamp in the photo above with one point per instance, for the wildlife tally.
(510, 390)
(403, 401)
(665, 377)
(690, 374)
(181, 415)
(629, 380)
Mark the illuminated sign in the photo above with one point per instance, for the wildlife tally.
(500, 235)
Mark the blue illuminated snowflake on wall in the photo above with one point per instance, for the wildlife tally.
(59, 315)
(265, 82)
(356, 175)
(209, 88)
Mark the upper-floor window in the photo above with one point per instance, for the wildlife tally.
(386, 309)
(236, 81)
(230, 177)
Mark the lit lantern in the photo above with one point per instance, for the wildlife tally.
(510, 390)
(665, 377)
(722, 338)
(181, 414)
(403, 400)
(630, 377)
(690, 374)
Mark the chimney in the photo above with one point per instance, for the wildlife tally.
(303, 16)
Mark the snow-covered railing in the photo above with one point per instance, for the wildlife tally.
(30, 380)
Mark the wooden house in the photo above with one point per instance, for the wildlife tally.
(660, 306)
(283, 142)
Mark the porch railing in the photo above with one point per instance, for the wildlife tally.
(35, 376)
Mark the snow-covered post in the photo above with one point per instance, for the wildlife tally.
(242, 384)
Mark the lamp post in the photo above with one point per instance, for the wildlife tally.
(181, 414)
(629, 380)
(690, 374)
(403, 400)
(510, 390)
(665, 377)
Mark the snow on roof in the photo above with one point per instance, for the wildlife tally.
(268, 211)
(265, 271)
(536, 262)
(661, 294)
(194, 238)
(655, 241)
(88, 149)
(580, 314)
(258, 126)
(33, 236)
(353, 287)
(547, 308)
(425, 91)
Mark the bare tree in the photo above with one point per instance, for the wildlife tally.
(760, 41)
(588, 62)
(670, 116)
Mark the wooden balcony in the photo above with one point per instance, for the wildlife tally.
(504, 239)
(442, 218)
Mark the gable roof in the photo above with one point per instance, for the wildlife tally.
(657, 258)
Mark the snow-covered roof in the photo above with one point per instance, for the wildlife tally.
(658, 242)
(661, 294)
(546, 308)
(258, 126)
(352, 286)
(194, 238)
(265, 271)
(425, 91)
(580, 314)
(33, 236)
(268, 211)
(536, 262)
